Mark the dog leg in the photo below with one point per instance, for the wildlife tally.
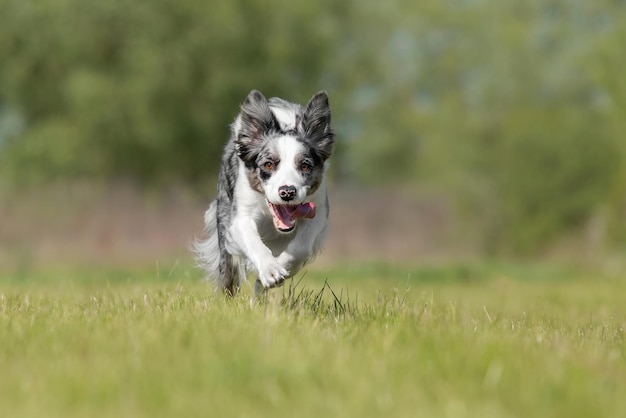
(228, 274)
(245, 234)
(302, 249)
(271, 272)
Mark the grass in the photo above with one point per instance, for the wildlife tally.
(372, 340)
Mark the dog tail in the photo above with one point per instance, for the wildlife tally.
(225, 270)
(207, 251)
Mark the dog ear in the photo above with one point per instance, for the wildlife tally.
(316, 125)
(256, 120)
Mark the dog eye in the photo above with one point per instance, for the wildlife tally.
(268, 165)
(305, 168)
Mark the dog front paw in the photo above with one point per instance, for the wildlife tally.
(272, 274)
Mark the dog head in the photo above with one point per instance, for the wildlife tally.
(285, 148)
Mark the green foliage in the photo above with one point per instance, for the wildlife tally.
(548, 184)
(147, 90)
(515, 109)
(446, 94)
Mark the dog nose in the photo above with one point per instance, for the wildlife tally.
(287, 193)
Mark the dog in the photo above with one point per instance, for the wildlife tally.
(270, 216)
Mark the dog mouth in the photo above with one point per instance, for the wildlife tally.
(286, 216)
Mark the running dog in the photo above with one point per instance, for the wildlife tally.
(271, 212)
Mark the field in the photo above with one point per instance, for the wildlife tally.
(486, 340)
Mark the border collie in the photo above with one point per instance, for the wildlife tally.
(271, 212)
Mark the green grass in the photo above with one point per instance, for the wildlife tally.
(373, 340)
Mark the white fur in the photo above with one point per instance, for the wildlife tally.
(251, 237)
(272, 255)
(286, 173)
(286, 119)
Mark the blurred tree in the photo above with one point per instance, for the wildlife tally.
(147, 90)
(491, 102)
(515, 108)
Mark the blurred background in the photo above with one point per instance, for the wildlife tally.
(465, 128)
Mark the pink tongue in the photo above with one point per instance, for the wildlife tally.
(305, 210)
(286, 215)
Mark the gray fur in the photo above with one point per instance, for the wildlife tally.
(252, 133)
